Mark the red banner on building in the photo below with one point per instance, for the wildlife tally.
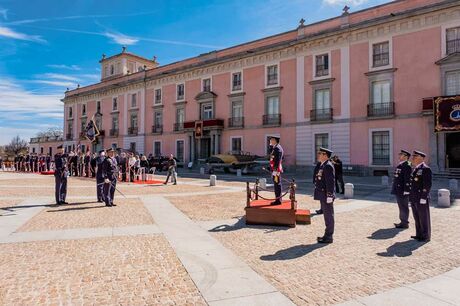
(198, 129)
(447, 114)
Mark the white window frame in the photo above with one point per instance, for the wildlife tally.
(329, 136)
(177, 97)
(388, 39)
(231, 142)
(231, 81)
(202, 83)
(371, 161)
(113, 98)
(202, 112)
(265, 141)
(161, 147)
(175, 148)
(444, 28)
(155, 95)
(266, 74)
(328, 76)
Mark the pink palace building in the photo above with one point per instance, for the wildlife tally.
(361, 84)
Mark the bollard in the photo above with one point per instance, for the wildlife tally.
(444, 198)
(263, 183)
(453, 184)
(238, 172)
(212, 180)
(349, 190)
(385, 180)
(201, 170)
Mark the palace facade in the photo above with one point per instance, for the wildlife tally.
(360, 84)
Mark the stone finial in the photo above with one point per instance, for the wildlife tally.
(345, 10)
(154, 59)
(67, 89)
(123, 49)
(302, 22)
(103, 56)
(78, 85)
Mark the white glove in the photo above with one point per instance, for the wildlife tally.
(329, 200)
(275, 173)
(107, 181)
(406, 193)
(422, 201)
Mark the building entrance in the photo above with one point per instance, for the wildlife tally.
(453, 150)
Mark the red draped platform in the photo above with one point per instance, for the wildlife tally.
(261, 212)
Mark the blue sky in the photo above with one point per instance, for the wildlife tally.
(48, 45)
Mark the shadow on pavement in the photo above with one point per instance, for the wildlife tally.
(385, 233)
(241, 223)
(293, 252)
(402, 249)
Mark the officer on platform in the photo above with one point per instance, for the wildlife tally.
(276, 165)
(60, 174)
(324, 192)
(419, 196)
(99, 179)
(110, 175)
(401, 188)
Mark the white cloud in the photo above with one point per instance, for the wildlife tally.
(345, 2)
(59, 76)
(9, 132)
(67, 67)
(55, 83)
(4, 13)
(10, 33)
(121, 38)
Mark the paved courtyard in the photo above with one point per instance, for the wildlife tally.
(189, 245)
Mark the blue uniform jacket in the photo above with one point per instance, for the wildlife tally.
(420, 183)
(401, 179)
(277, 157)
(110, 169)
(60, 164)
(325, 182)
(99, 162)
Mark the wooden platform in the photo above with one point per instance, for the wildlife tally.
(261, 212)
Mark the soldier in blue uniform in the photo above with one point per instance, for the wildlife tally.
(419, 196)
(276, 165)
(99, 179)
(110, 175)
(401, 188)
(324, 192)
(60, 175)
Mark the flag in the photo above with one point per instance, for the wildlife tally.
(91, 131)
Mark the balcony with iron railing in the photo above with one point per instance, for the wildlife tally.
(453, 46)
(157, 128)
(381, 109)
(114, 132)
(236, 122)
(321, 115)
(132, 131)
(178, 126)
(272, 119)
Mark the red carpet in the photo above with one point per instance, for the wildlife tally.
(149, 182)
(47, 173)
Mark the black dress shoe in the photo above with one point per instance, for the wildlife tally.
(64, 202)
(100, 201)
(275, 203)
(421, 239)
(108, 205)
(113, 204)
(401, 225)
(58, 203)
(415, 237)
(324, 240)
(319, 212)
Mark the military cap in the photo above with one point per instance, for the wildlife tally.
(419, 153)
(59, 146)
(327, 151)
(110, 149)
(100, 151)
(277, 138)
(404, 152)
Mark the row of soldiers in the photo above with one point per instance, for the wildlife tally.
(33, 162)
(411, 185)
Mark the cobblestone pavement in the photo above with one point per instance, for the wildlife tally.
(86, 214)
(143, 270)
(5, 203)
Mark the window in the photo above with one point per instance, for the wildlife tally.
(83, 110)
(381, 92)
(207, 111)
(133, 120)
(180, 115)
(180, 91)
(139, 69)
(83, 124)
(157, 148)
(106, 71)
(236, 144)
(158, 96)
(322, 99)
(158, 119)
(237, 109)
(453, 40)
(41, 150)
(98, 106)
(133, 100)
(207, 85)
(112, 69)
(132, 147)
(453, 83)
(322, 65)
(272, 75)
(33, 150)
(236, 81)
(273, 105)
(115, 104)
(321, 141)
(381, 54)
(98, 121)
(115, 122)
(69, 130)
(70, 112)
(381, 148)
(180, 150)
